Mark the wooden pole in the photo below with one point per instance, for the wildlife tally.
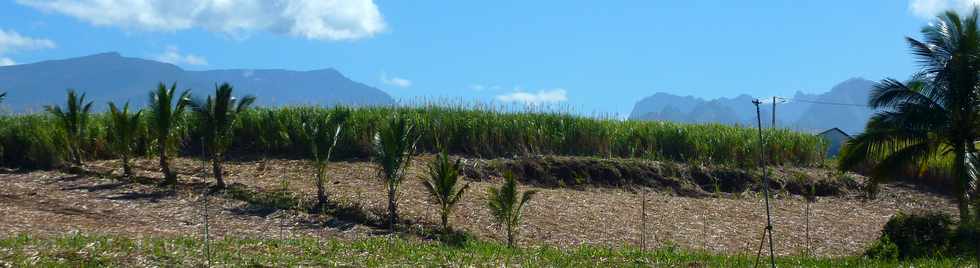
(765, 183)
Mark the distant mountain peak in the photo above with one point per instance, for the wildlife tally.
(111, 76)
(801, 114)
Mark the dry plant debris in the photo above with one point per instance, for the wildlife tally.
(53, 202)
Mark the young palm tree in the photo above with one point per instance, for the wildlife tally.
(443, 184)
(323, 133)
(505, 206)
(394, 146)
(166, 113)
(73, 119)
(932, 115)
(217, 116)
(123, 128)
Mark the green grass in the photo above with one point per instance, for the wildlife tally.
(472, 131)
(100, 251)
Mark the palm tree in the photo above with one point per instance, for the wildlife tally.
(217, 116)
(123, 128)
(73, 119)
(394, 146)
(323, 133)
(443, 184)
(505, 206)
(934, 114)
(166, 114)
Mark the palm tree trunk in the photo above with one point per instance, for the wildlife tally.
(445, 220)
(76, 157)
(126, 169)
(169, 177)
(216, 166)
(962, 181)
(321, 195)
(392, 207)
(510, 236)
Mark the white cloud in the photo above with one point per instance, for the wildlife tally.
(540, 97)
(6, 61)
(173, 56)
(311, 19)
(11, 41)
(395, 81)
(929, 9)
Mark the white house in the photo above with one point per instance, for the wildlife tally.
(836, 138)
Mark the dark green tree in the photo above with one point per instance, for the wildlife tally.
(166, 115)
(216, 119)
(73, 120)
(394, 147)
(322, 133)
(934, 114)
(123, 131)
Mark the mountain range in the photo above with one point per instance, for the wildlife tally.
(112, 77)
(842, 107)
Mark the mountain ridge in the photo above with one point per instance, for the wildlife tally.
(804, 111)
(109, 76)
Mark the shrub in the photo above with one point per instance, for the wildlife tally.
(883, 249)
(919, 234)
(32, 141)
(965, 238)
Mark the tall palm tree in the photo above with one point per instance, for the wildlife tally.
(123, 128)
(73, 119)
(507, 205)
(167, 113)
(934, 114)
(443, 184)
(323, 133)
(394, 147)
(217, 116)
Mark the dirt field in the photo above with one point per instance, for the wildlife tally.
(54, 202)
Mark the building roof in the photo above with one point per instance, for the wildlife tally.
(836, 129)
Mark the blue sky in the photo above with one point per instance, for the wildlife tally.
(596, 57)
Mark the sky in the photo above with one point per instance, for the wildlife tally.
(593, 57)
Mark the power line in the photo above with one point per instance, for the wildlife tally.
(828, 102)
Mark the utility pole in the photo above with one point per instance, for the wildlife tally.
(207, 231)
(765, 187)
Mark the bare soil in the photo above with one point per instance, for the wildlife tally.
(57, 202)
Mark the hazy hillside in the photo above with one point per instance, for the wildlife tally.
(800, 112)
(111, 77)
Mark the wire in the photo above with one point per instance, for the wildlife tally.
(826, 102)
